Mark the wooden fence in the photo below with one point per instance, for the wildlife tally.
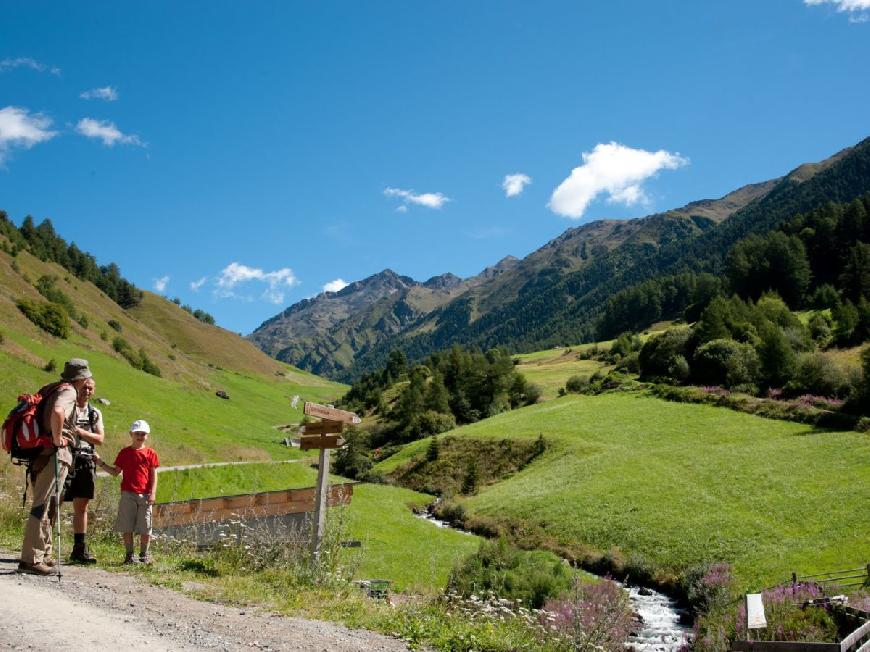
(224, 508)
(857, 641)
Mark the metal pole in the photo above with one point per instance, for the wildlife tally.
(320, 503)
(57, 490)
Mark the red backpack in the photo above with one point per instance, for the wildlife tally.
(23, 436)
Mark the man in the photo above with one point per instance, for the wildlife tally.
(57, 414)
(80, 490)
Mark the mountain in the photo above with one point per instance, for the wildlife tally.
(556, 294)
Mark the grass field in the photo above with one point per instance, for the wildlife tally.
(675, 484)
(396, 545)
(550, 369)
(188, 424)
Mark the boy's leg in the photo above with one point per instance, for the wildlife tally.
(128, 547)
(144, 529)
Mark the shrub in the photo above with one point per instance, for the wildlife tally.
(50, 317)
(709, 586)
(817, 373)
(50, 366)
(114, 325)
(82, 320)
(725, 362)
(592, 617)
(577, 383)
(664, 356)
(529, 577)
(820, 328)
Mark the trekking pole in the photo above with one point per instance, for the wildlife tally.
(57, 489)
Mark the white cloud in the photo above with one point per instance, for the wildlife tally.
(614, 170)
(19, 128)
(107, 132)
(108, 93)
(196, 285)
(427, 199)
(335, 286)
(236, 274)
(858, 10)
(514, 184)
(161, 283)
(27, 62)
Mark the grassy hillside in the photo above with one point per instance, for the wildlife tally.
(669, 485)
(189, 422)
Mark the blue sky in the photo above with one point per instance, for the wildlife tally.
(242, 156)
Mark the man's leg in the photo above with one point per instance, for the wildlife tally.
(37, 529)
(80, 527)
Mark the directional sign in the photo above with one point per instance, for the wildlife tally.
(325, 427)
(318, 442)
(326, 412)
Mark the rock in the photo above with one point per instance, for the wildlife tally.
(222, 394)
(644, 591)
(104, 401)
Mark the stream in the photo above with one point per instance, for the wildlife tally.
(661, 629)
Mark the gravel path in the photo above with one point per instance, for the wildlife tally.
(96, 610)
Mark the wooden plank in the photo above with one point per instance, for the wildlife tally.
(864, 648)
(326, 412)
(853, 638)
(270, 503)
(325, 427)
(320, 442)
(783, 646)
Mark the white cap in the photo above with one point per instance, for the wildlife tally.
(140, 425)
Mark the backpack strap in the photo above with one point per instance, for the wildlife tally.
(46, 392)
(91, 417)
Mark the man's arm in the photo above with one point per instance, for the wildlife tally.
(152, 483)
(58, 416)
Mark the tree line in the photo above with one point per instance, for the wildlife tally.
(447, 389)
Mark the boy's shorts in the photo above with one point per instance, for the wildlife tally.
(134, 513)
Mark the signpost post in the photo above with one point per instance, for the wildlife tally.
(323, 436)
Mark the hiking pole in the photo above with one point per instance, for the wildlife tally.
(57, 510)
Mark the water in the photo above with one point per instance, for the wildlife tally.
(659, 629)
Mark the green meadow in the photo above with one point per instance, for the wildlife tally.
(189, 424)
(668, 485)
(550, 369)
(396, 545)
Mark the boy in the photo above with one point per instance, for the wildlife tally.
(139, 465)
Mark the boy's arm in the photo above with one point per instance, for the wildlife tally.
(152, 483)
(108, 468)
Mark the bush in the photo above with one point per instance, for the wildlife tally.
(114, 325)
(577, 384)
(50, 317)
(817, 373)
(820, 328)
(664, 356)
(725, 362)
(592, 617)
(529, 577)
(50, 366)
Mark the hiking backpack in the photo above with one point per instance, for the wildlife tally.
(23, 436)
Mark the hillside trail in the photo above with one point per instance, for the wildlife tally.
(92, 609)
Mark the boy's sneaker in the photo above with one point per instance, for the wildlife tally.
(145, 559)
(129, 559)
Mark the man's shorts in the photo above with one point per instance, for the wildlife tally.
(81, 485)
(134, 513)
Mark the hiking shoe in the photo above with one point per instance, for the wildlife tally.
(80, 555)
(130, 560)
(145, 559)
(35, 569)
(48, 561)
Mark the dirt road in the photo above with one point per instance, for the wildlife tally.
(91, 609)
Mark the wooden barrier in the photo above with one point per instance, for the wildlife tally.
(224, 508)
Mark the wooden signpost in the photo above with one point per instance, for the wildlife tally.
(323, 436)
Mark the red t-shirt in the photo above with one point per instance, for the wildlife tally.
(136, 464)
